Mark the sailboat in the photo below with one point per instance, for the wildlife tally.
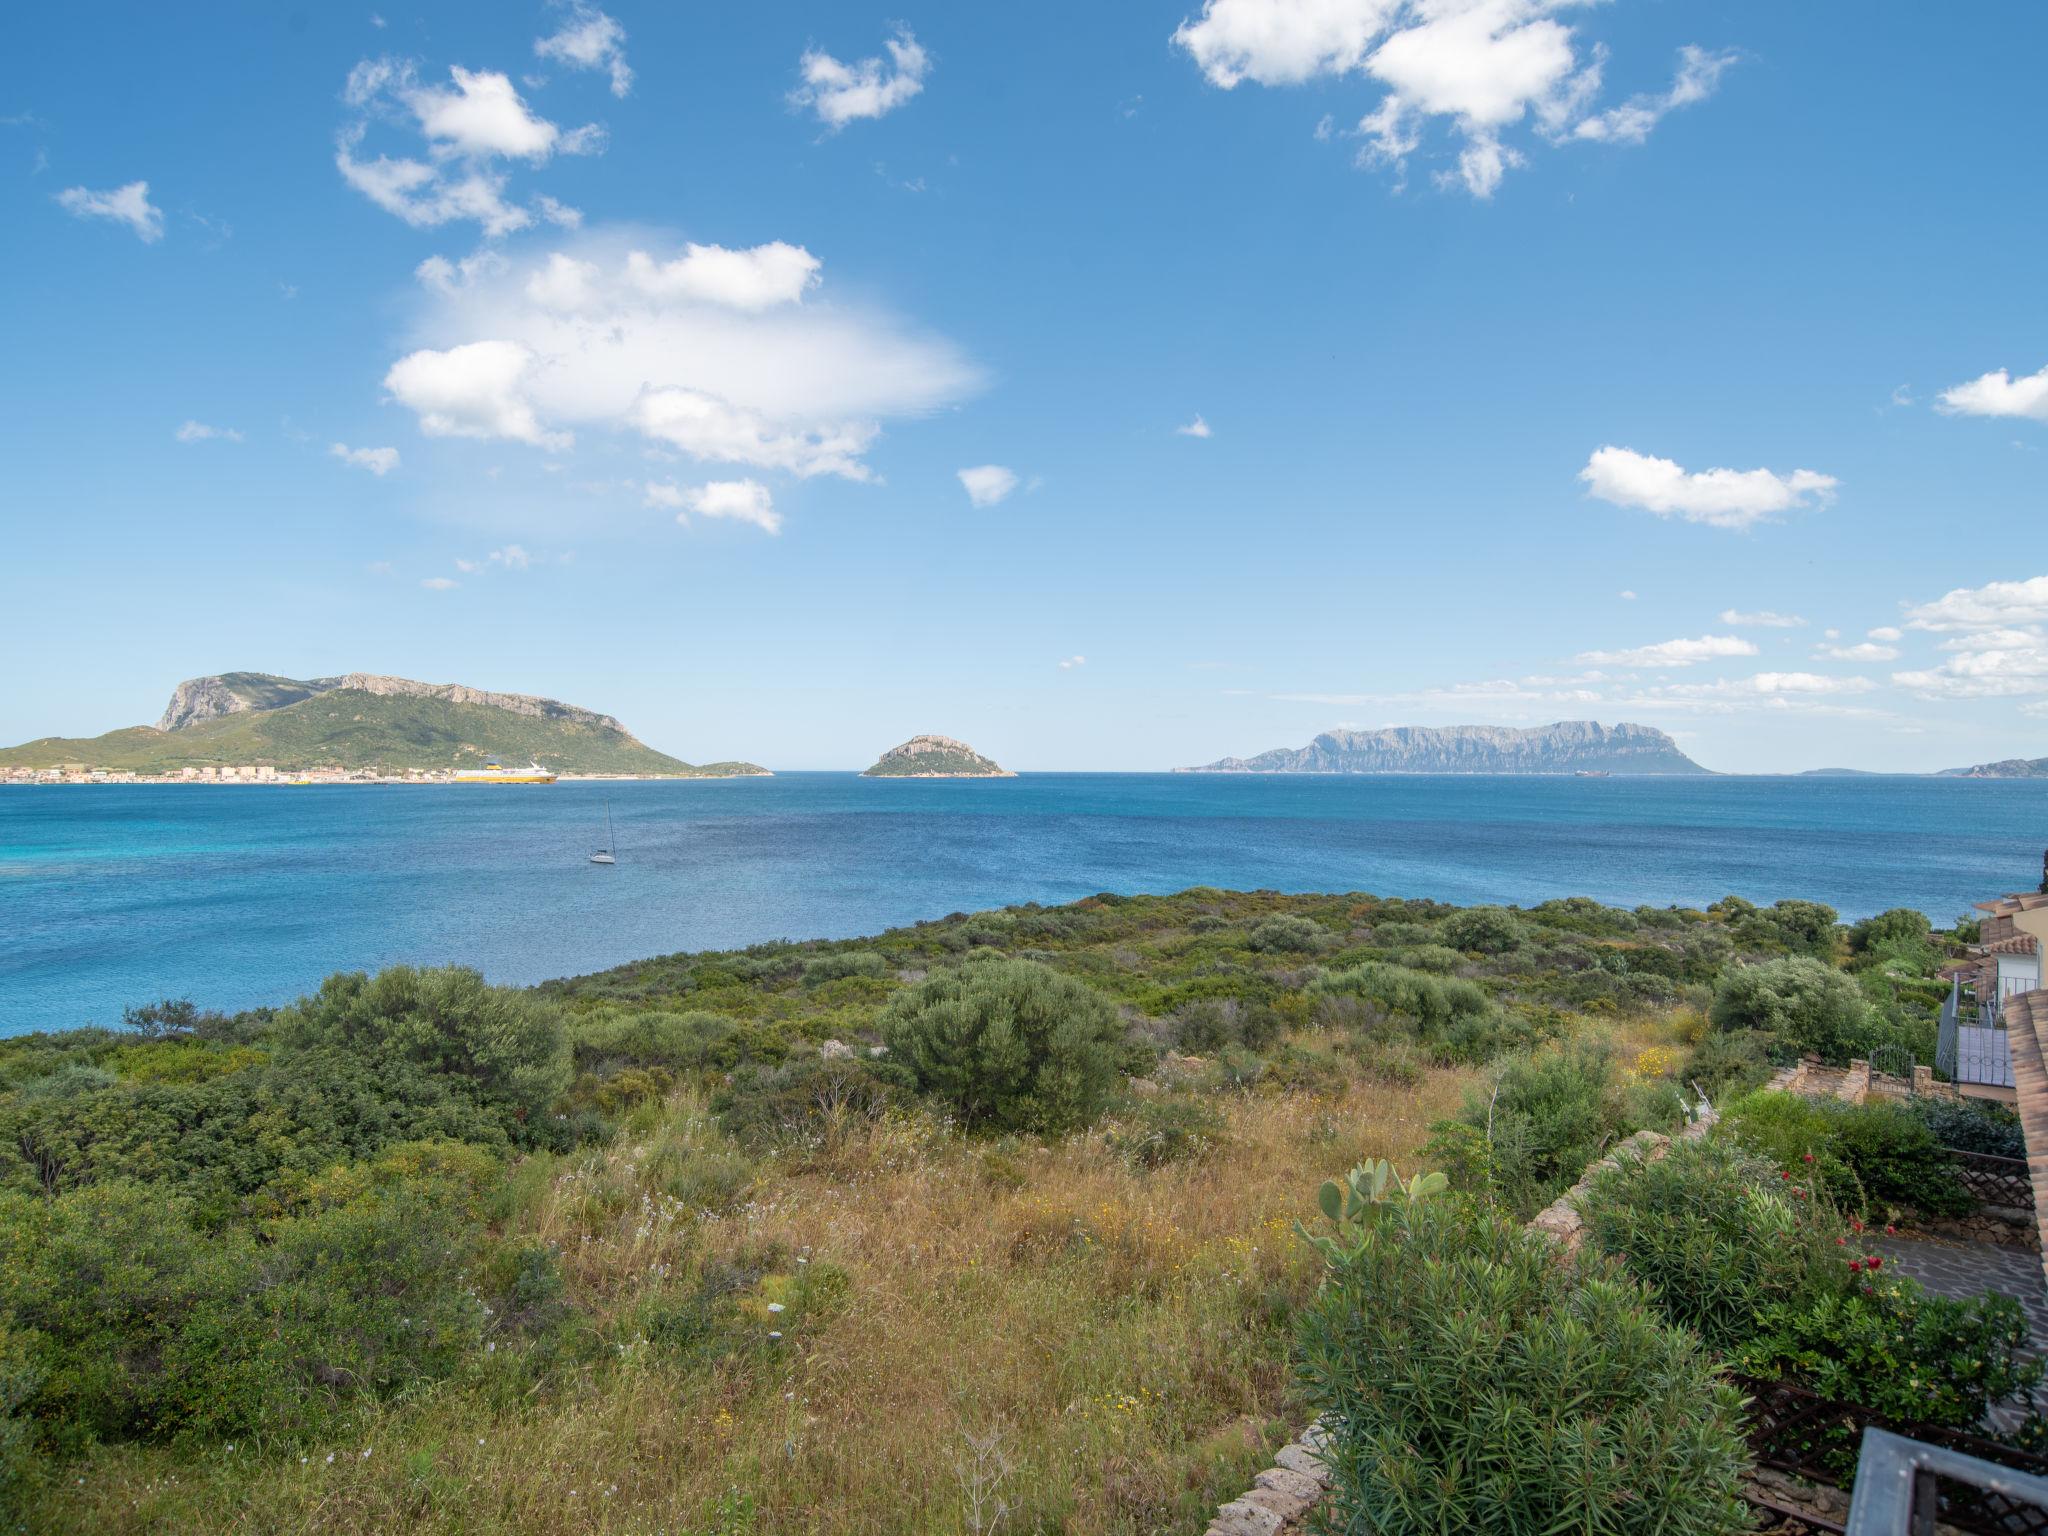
(604, 854)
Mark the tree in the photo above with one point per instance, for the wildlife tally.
(1008, 1045)
(509, 1045)
(1813, 1008)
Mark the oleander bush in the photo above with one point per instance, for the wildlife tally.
(1716, 1236)
(1477, 1383)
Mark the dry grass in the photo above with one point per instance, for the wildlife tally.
(977, 1337)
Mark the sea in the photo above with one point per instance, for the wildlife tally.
(237, 896)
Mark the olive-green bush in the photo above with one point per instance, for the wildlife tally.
(1008, 1045)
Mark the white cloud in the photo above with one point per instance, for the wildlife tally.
(561, 215)
(128, 205)
(468, 125)
(589, 39)
(564, 284)
(1699, 73)
(700, 349)
(755, 279)
(1995, 394)
(1764, 620)
(440, 583)
(1887, 632)
(378, 461)
(200, 432)
(1993, 605)
(1720, 498)
(422, 196)
(1282, 42)
(745, 501)
(708, 428)
(840, 93)
(1866, 650)
(479, 116)
(511, 557)
(474, 390)
(1626, 595)
(1673, 653)
(1997, 641)
(1069, 663)
(1196, 428)
(1479, 66)
(2001, 665)
(988, 484)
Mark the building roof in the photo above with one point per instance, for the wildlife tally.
(2013, 944)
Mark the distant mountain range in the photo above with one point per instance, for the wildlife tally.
(1569, 746)
(2008, 768)
(935, 757)
(361, 721)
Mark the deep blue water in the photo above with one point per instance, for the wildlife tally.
(112, 895)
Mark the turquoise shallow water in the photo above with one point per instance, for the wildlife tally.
(112, 895)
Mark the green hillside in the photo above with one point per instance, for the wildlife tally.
(351, 729)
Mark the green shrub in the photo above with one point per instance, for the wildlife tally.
(1812, 1008)
(764, 1106)
(134, 1323)
(1534, 1132)
(1871, 1158)
(1715, 1236)
(682, 1041)
(1211, 1024)
(1728, 1064)
(1155, 1132)
(1008, 1045)
(1769, 1272)
(1883, 1342)
(1475, 1384)
(851, 962)
(508, 1045)
(1288, 934)
(1455, 1016)
(1900, 926)
(1484, 930)
(1437, 959)
(1971, 1125)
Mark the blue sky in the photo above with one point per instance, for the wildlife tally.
(789, 379)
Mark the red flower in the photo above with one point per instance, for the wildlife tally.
(1783, 1174)
(1841, 1242)
(1873, 1261)
(1855, 1263)
(1890, 1230)
(1806, 1157)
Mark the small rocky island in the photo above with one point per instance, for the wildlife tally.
(936, 757)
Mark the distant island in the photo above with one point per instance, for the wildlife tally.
(2007, 768)
(935, 757)
(360, 722)
(1569, 746)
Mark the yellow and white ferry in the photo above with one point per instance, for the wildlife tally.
(491, 773)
